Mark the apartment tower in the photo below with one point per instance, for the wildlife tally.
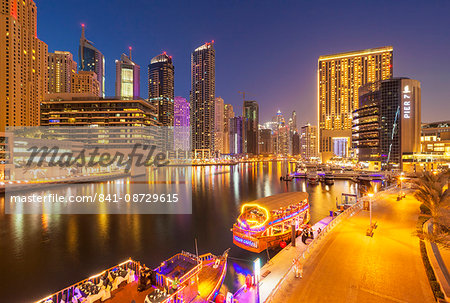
(339, 77)
(203, 86)
(161, 87)
(23, 64)
(61, 67)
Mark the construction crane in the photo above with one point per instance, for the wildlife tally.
(243, 95)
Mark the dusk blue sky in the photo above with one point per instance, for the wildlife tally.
(266, 48)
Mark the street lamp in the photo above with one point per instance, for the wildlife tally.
(257, 272)
(370, 207)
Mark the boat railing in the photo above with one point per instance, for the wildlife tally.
(162, 280)
(69, 291)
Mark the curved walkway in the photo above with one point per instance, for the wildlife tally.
(351, 267)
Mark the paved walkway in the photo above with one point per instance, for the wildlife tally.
(277, 267)
(351, 267)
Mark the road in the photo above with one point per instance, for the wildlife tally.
(352, 267)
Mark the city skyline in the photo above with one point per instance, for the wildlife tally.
(414, 58)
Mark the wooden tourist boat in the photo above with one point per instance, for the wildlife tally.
(266, 222)
(183, 278)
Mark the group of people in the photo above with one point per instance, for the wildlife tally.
(308, 233)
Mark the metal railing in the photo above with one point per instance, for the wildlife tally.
(69, 291)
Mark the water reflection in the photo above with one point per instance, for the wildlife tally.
(53, 251)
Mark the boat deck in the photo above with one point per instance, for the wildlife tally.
(209, 280)
(128, 293)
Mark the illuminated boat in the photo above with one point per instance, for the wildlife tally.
(182, 278)
(265, 223)
(312, 177)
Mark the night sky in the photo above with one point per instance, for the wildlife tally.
(267, 48)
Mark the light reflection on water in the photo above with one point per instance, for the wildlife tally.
(50, 252)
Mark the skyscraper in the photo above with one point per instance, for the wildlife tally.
(228, 114)
(127, 78)
(161, 87)
(61, 67)
(250, 133)
(92, 60)
(339, 77)
(236, 135)
(295, 143)
(219, 125)
(23, 64)
(182, 123)
(203, 87)
(386, 126)
(308, 142)
(265, 141)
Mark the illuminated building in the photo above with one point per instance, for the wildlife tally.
(308, 142)
(265, 141)
(127, 78)
(23, 57)
(92, 60)
(282, 140)
(161, 87)
(85, 83)
(203, 87)
(250, 133)
(435, 137)
(435, 148)
(219, 124)
(228, 114)
(339, 77)
(124, 120)
(386, 125)
(236, 135)
(182, 123)
(295, 144)
(61, 67)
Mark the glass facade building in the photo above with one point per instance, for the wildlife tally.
(92, 60)
(387, 123)
(127, 78)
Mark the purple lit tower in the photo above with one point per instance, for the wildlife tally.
(182, 123)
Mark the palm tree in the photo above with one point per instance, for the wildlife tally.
(432, 190)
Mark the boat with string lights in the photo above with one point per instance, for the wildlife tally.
(183, 278)
(267, 222)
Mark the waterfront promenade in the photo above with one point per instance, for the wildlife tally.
(349, 266)
(274, 270)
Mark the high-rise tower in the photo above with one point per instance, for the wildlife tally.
(161, 87)
(23, 64)
(127, 78)
(339, 77)
(203, 86)
(61, 67)
(92, 60)
(250, 135)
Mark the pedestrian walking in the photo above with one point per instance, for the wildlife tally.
(319, 230)
(311, 233)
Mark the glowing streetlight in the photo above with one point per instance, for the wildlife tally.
(370, 207)
(257, 272)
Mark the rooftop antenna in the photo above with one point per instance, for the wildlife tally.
(130, 48)
(82, 30)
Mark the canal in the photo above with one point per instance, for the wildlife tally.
(40, 254)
